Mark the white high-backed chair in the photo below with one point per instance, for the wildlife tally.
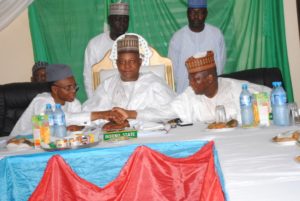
(152, 61)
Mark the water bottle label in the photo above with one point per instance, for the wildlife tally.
(50, 120)
(272, 99)
(59, 120)
(280, 99)
(245, 101)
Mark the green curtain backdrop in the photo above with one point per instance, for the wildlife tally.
(254, 30)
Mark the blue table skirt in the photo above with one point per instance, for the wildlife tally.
(19, 175)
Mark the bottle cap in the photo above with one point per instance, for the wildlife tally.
(279, 84)
(48, 106)
(244, 86)
(57, 105)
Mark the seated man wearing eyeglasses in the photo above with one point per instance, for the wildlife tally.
(130, 89)
(63, 90)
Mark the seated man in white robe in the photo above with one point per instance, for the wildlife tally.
(129, 88)
(199, 100)
(63, 91)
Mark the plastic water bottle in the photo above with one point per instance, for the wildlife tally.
(246, 104)
(50, 114)
(59, 122)
(274, 84)
(279, 106)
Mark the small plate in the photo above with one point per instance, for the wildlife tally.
(286, 143)
(217, 130)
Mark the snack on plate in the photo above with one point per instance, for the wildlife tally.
(297, 159)
(20, 141)
(74, 128)
(19, 144)
(215, 125)
(230, 124)
(113, 126)
(294, 137)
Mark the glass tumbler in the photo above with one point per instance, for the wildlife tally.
(220, 114)
(294, 116)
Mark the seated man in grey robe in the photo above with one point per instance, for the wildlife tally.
(199, 100)
(129, 88)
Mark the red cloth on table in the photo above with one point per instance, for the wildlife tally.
(147, 175)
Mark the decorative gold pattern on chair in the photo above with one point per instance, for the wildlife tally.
(155, 59)
(105, 63)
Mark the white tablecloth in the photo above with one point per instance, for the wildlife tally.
(254, 168)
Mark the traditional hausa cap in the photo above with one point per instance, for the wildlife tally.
(200, 62)
(130, 43)
(197, 3)
(38, 65)
(55, 72)
(119, 9)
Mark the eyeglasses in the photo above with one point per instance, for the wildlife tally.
(69, 87)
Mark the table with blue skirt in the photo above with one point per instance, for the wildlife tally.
(249, 164)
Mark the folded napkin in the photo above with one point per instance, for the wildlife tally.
(21, 146)
(149, 128)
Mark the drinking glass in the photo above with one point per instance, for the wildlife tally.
(220, 114)
(294, 115)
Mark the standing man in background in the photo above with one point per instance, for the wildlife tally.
(197, 36)
(97, 47)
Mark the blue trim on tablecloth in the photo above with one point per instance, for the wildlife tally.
(19, 175)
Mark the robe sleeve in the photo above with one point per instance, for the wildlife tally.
(162, 94)
(74, 115)
(101, 100)
(178, 108)
(258, 88)
(78, 118)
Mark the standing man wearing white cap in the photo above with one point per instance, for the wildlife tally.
(63, 90)
(198, 102)
(97, 47)
(197, 36)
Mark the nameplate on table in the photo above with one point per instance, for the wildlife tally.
(120, 135)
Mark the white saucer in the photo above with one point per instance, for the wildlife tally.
(287, 143)
(217, 130)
